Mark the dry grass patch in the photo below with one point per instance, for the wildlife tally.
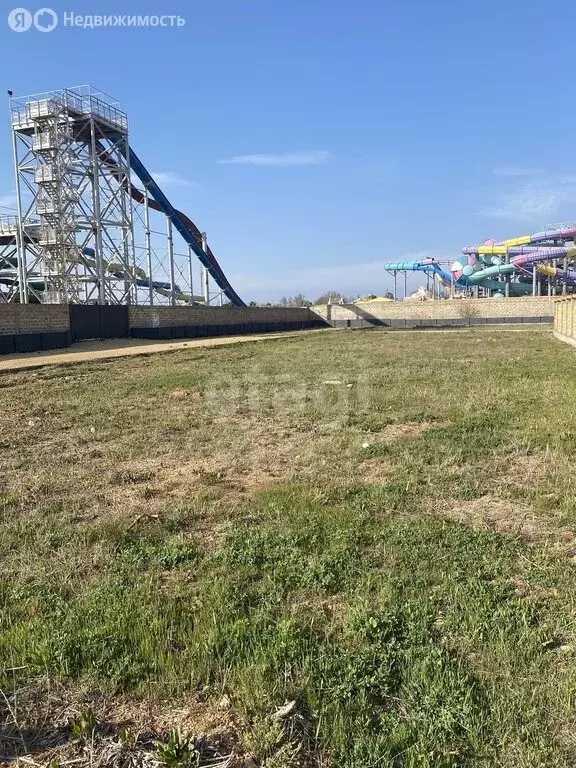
(489, 513)
(375, 471)
(56, 725)
(521, 467)
(248, 455)
(397, 430)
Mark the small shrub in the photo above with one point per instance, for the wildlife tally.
(84, 724)
(178, 752)
(467, 310)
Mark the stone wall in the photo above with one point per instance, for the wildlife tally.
(450, 311)
(164, 317)
(33, 327)
(36, 327)
(33, 318)
(565, 319)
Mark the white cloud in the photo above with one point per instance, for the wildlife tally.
(535, 201)
(281, 160)
(516, 169)
(171, 179)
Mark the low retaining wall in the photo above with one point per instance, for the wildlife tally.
(190, 322)
(37, 327)
(33, 327)
(565, 319)
(455, 322)
(449, 312)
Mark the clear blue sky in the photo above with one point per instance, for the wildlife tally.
(380, 129)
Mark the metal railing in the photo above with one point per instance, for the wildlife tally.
(8, 225)
(82, 100)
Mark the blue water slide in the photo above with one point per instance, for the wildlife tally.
(430, 268)
(184, 227)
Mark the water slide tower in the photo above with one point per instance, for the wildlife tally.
(84, 232)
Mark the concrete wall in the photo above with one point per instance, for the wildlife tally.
(33, 327)
(565, 319)
(164, 317)
(189, 322)
(33, 318)
(453, 311)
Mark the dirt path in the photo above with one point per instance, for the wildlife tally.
(87, 351)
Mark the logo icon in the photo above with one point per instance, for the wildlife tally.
(19, 20)
(45, 20)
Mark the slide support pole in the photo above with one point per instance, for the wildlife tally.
(171, 261)
(148, 246)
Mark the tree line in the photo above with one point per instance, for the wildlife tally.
(332, 297)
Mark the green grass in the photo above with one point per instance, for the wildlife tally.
(389, 554)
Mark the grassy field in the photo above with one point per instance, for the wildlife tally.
(375, 526)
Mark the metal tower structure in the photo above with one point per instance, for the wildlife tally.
(72, 176)
(83, 232)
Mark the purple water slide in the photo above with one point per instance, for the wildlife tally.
(513, 250)
(540, 254)
(545, 254)
(565, 233)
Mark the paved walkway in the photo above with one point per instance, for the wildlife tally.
(87, 351)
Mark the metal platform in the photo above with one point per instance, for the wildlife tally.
(77, 102)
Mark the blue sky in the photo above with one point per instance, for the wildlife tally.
(315, 140)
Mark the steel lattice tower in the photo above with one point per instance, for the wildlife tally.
(83, 231)
(74, 206)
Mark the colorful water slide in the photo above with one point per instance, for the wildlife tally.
(189, 231)
(518, 260)
(552, 236)
(428, 266)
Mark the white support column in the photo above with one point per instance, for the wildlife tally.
(206, 273)
(171, 261)
(191, 273)
(20, 243)
(555, 283)
(148, 246)
(97, 216)
(131, 231)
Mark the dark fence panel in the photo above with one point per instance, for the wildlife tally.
(95, 321)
